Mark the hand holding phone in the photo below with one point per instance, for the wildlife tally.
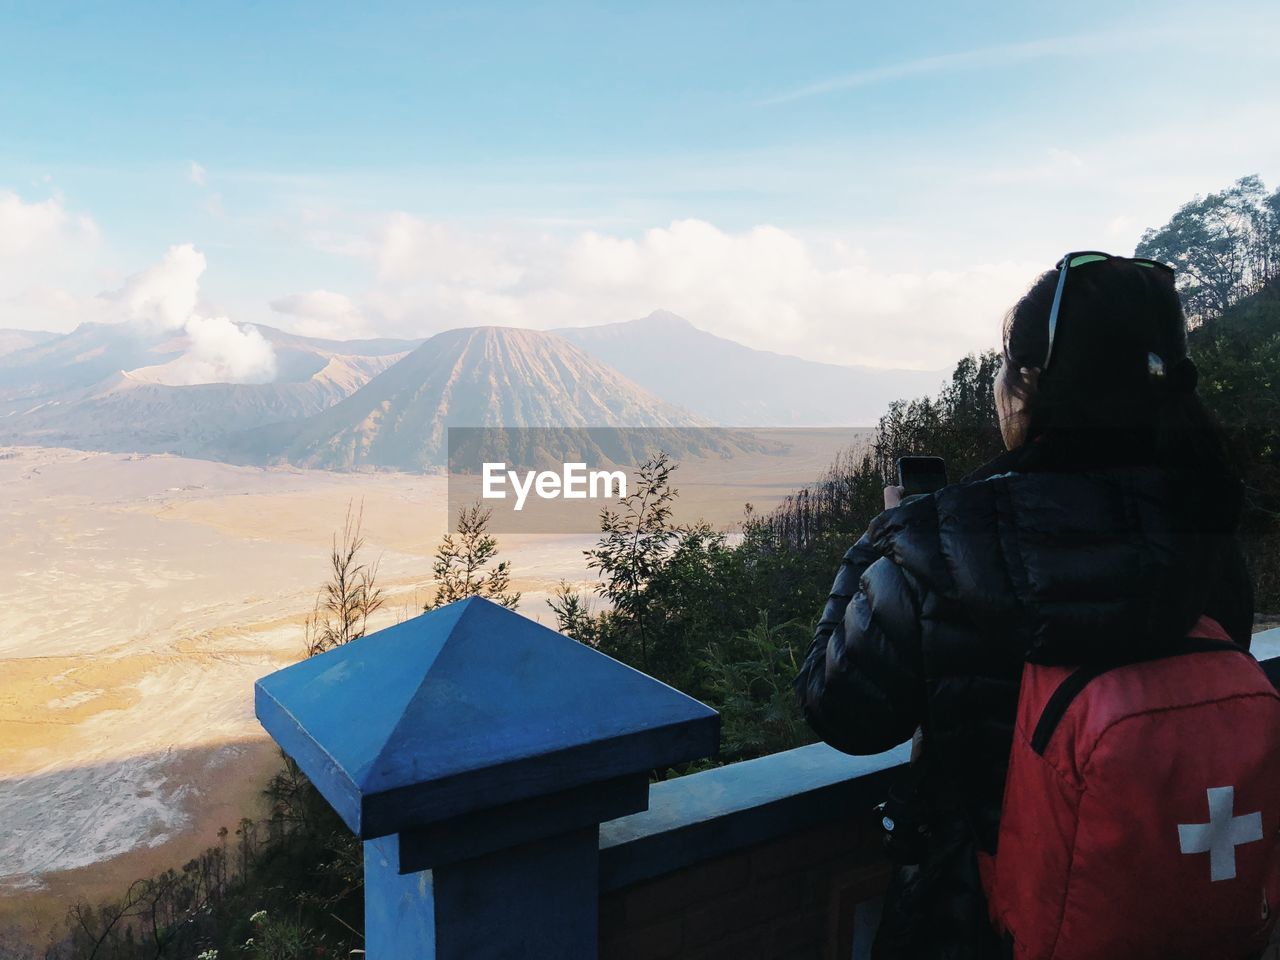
(921, 475)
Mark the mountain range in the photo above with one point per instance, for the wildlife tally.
(387, 403)
(499, 377)
(114, 387)
(734, 385)
(13, 340)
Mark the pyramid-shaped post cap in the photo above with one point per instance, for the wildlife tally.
(466, 708)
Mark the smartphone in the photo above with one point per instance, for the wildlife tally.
(921, 474)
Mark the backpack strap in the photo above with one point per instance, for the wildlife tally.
(1206, 636)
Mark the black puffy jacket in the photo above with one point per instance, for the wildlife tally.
(935, 609)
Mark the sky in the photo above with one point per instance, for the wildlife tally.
(854, 183)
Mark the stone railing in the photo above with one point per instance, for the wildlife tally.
(498, 774)
(764, 858)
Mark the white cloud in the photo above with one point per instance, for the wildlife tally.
(197, 174)
(825, 300)
(773, 289)
(164, 296)
(221, 351)
(45, 247)
(409, 249)
(323, 313)
(48, 250)
(40, 227)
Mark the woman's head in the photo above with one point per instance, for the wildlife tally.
(1117, 365)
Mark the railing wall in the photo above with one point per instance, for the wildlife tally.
(498, 774)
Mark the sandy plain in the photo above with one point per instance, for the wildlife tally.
(142, 596)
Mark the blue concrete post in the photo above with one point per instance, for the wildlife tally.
(476, 753)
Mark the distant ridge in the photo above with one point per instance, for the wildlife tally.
(113, 387)
(735, 385)
(96, 351)
(13, 340)
(81, 358)
(369, 347)
(129, 413)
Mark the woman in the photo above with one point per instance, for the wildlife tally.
(1106, 527)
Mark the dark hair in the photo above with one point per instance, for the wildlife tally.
(1119, 388)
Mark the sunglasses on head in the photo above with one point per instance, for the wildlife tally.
(1077, 259)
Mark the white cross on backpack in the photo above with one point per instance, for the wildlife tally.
(1222, 834)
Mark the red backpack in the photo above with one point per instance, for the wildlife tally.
(1141, 814)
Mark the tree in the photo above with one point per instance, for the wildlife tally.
(462, 566)
(351, 596)
(1271, 236)
(811, 528)
(1225, 246)
(634, 542)
(573, 615)
(1238, 356)
(671, 589)
(750, 678)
